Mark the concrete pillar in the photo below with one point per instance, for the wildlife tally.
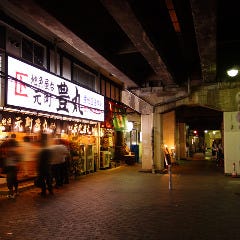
(231, 142)
(181, 141)
(147, 147)
(158, 142)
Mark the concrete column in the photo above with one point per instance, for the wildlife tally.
(147, 148)
(181, 141)
(158, 142)
(231, 142)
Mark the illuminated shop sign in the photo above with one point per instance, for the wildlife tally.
(38, 90)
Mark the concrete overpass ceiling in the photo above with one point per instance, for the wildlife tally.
(164, 43)
(153, 43)
(157, 48)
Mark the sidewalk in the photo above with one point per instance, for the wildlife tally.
(24, 184)
(28, 183)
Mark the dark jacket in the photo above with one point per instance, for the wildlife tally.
(44, 161)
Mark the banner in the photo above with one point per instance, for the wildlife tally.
(120, 122)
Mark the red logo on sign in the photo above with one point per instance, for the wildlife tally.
(20, 87)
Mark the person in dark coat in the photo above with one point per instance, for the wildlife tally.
(44, 168)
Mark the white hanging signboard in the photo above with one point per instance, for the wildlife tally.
(35, 89)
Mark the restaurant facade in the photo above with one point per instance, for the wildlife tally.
(44, 89)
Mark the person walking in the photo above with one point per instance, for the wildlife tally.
(12, 159)
(60, 152)
(66, 160)
(214, 149)
(220, 155)
(29, 152)
(44, 168)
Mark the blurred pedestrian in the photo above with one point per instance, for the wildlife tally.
(29, 156)
(220, 155)
(12, 159)
(44, 168)
(214, 149)
(66, 160)
(60, 152)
